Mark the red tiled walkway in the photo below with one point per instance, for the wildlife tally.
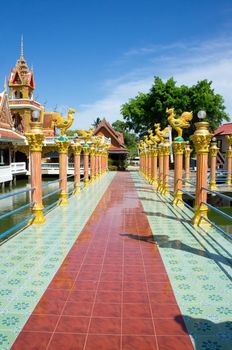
(112, 291)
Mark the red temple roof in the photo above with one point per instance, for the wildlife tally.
(225, 129)
(10, 136)
(117, 139)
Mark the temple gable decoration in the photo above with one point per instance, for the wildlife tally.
(6, 121)
(117, 139)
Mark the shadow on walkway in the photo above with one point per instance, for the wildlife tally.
(151, 213)
(163, 241)
(206, 334)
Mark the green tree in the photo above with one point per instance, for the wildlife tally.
(71, 132)
(141, 112)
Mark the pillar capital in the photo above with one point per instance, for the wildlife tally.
(166, 149)
(187, 150)
(201, 143)
(229, 140)
(92, 151)
(62, 146)
(214, 150)
(160, 150)
(35, 141)
(229, 153)
(76, 148)
(86, 150)
(202, 137)
(178, 147)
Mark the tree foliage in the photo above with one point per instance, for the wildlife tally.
(96, 122)
(141, 112)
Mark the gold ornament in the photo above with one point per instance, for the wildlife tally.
(76, 148)
(178, 147)
(179, 123)
(62, 146)
(201, 142)
(35, 141)
(62, 123)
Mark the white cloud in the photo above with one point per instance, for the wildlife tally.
(187, 63)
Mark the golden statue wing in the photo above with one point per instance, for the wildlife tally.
(186, 116)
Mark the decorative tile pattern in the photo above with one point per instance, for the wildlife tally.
(112, 290)
(30, 260)
(199, 265)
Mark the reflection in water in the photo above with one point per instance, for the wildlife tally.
(15, 202)
(221, 203)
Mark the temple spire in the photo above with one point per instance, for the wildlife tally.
(5, 85)
(22, 51)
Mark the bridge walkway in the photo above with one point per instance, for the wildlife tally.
(119, 268)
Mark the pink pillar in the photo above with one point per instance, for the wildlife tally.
(35, 141)
(161, 167)
(63, 161)
(187, 153)
(149, 166)
(166, 154)
(96, 164)
(154, 171)
(201, 140)
(99, 164)
(92, 164)
(76, 147)
(229, 160)
(178, 148)
(213, 164)
(86, 166)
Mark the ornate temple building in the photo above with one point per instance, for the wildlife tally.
(8, 139)
(117, 151)
(21, 86)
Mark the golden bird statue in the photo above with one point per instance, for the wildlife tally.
(179, 123)
(160, 134)
(63, 123)
(86, 135)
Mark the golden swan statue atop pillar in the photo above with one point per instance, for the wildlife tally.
(179, 123)
(62, 123)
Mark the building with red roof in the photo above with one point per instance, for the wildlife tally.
(117, 151)
(221, 133)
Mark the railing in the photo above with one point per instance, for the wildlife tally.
(227, 216)
(212, 192)
(5, 173)
(17, 168)
(21, 223)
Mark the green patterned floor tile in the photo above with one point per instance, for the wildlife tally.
(199, 265)
(6, 339)
(31, 259)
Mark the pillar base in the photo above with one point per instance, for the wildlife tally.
(86, 182)
(178, 198)
(160, 186)
(77, 190)
(39, 218)
(213, 186)
(201, 213)
(154, 184)
(63, 198)
(165, 190)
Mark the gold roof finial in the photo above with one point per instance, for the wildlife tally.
(22, 51)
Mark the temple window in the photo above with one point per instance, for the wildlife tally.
(18, 94)
(17, 119)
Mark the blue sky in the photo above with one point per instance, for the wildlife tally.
(94, 55)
